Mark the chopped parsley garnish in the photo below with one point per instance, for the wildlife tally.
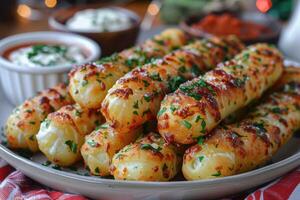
(136, 105)
(155, 77)
(187, 124)
(160, 42)
(78, 113)
(114, 57)
(135, 112)
(217, 174)
(146, 83)
(182, 69)
(200, 158)
(97, 123)
(119, 155)
(195, 96)
(97, 170)
(147, 97)
(195, 70)
(246, 56)
(72, 145)
(198, 118)
(173, 108)
(103, 126)
(260, 127)
(189, 88)
(278, 110)
(57, 167)
(182, 59)
(161, 111)
(47, 163)
(132, 62)
(238, 82)
(175, 82)
(46, 49)
(92, 143)
(203, 123)
(200, 140)
(234, 67)
(153, 147)
(203, 84)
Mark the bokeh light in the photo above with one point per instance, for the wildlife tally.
(24, 11)
(50, 3)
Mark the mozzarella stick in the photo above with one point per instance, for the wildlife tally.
(199, 105)
(62, 133)
(136, 97)
(102, 144)
(251, 142)
(148, 159)
(24, 122)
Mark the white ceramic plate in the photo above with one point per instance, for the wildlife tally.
(72, 181)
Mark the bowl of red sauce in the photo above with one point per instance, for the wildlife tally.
(249, 27)
(31, 62)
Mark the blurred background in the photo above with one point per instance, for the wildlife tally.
(32, 15)
(17, 16)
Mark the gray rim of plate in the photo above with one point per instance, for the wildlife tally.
(10, 156)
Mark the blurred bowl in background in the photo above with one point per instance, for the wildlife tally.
(262, 20)
(110, 41)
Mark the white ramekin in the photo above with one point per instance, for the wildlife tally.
(21, 82)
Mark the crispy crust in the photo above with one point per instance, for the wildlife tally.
(136, 97)
(148, 159)
(23, 124)
(250, 143)
(199, 105)
(62, 134)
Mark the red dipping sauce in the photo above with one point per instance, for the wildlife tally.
(227, 24)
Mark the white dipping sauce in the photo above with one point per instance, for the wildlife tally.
(41, 55)
(99, 20)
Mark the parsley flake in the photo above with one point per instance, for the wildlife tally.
(187, 124)
(72, 145)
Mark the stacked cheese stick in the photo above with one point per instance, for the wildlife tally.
(251, 142)
(136, 97)
(207, 99)
(24, 123)
(183, 93)
(90, 83)
(199, 105)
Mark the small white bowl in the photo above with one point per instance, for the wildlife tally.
(21, 82)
